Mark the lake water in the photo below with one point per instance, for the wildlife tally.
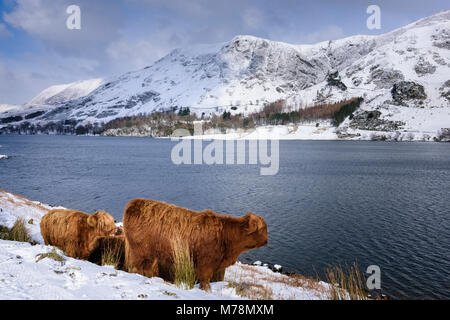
(377, 203)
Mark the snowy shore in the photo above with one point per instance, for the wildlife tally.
(306, 131)
(24, 276)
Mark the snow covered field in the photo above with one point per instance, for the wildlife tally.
(24, 275)
(309, 131)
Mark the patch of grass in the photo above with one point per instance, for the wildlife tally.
(251, 290)
(52, 255)
(256, 284)
(170, 294)
(4, 233)
(18, 232)
(240, 287)
(346, 283)
(183, 265)
(295, 280)
(112, 254)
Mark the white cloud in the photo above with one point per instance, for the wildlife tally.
(46, 19)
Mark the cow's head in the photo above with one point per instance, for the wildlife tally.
(256, 231)
(103, 223)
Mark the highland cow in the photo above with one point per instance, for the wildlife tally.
(215, 241)
(75, 232)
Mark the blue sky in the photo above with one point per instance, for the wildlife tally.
(116, 36)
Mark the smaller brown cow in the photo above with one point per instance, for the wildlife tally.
(215, 241)
(75, 232)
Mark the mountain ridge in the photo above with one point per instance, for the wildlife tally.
(244, 74)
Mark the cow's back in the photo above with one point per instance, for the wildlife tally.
(152, 226)
(59, 225)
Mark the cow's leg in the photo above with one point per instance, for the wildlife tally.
(204, 285)
(71, 249)
(204, 275)
(219, 275)
(150, 268)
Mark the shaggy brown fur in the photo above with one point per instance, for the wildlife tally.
(215, 241)
(110, 245)
(74, 232)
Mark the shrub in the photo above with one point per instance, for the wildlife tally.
(18, 232)
(112, 255)
(4, 233)
(346, 283)
(183, 264)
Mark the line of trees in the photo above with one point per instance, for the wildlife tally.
(66, 127)
(276, 113)
(165, 123)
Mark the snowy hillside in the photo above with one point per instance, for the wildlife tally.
(27, 273)
(47, 100)
(8, 107)
(403, 76)
(66, 92)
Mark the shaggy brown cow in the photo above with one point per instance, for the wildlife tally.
(215, 241)
(74, 232)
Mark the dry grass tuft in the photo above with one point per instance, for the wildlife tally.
(18, 232)
(346, 283)
(52, 255)
(252, 290)
(112, 255)
(183, 265)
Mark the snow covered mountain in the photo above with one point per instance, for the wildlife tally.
(47, 100)
(402, 75)
(8, 107)
(65, 92)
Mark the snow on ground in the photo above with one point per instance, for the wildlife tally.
(307, 131)
(24, 276)
(13, 207)
(65, 92)
(8, 107)
(262, 283)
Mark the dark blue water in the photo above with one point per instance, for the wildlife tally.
(376, 203)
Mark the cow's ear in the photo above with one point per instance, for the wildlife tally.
(92, 221)
(253, 222)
